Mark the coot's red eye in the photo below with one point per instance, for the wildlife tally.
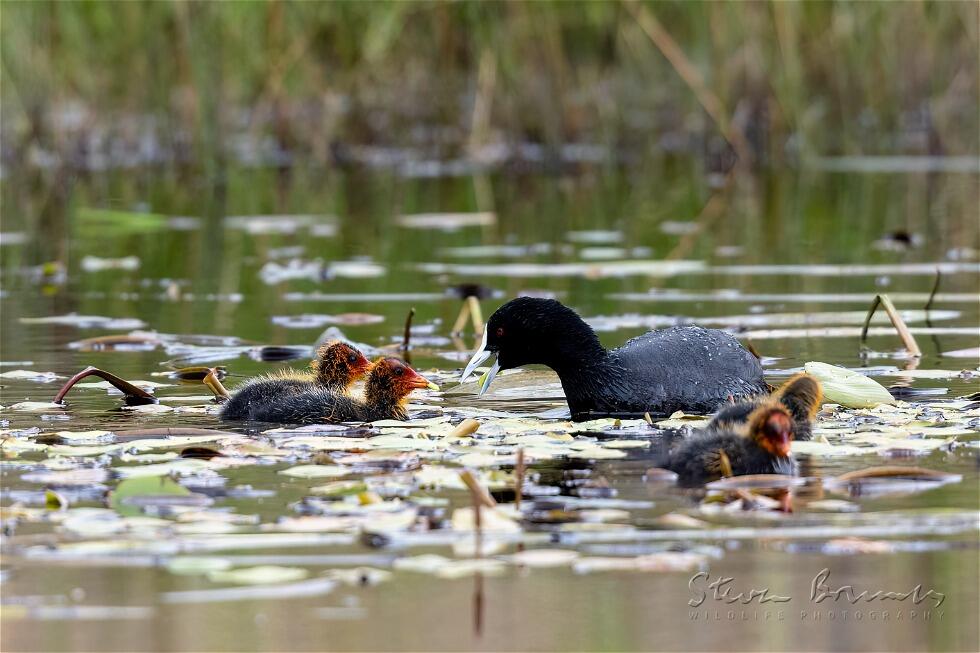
(500, 332)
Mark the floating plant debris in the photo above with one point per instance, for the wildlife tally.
(87, 321)
(446, 221)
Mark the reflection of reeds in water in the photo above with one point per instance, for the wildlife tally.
(278, 81)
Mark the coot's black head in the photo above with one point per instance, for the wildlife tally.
(529, 330)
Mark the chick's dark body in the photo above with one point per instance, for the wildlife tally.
(801, 396)
(698, 459)
(260, 393)
(335, 367)
(385, 395)
(315, 405)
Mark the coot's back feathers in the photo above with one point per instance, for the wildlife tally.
(687, 368)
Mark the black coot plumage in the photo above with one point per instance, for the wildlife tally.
(680, 368)
(385, 395)
(800, 395)
(759, 445)
(336, 366)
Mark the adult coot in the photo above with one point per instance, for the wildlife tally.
(680, 368)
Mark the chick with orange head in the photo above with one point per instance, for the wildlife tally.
(761, 445)
(336, 367)
(385, 397)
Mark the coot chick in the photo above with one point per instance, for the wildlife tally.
(385, 395)
(336, 366)
(761, 445)
(801, 396)
(680, 368)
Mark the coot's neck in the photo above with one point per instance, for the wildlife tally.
(570, 345)
(593, 385)
(587, 371)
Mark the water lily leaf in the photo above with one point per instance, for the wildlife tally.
(626, 444)
(360, 576)
(180, 467)
(197, 565)
(339, 488)
(35, 406)
(543, 557)
(71, 450)
(206, 528)
(85, 437)
(848, 388)
(971, 352)
(751, 481)
(315, 471)
(655, 562)
(428, 563)
(833, 505)
(596, 453)
(324, 443)
(68, 477)
(17, 445)
(490, 520)
(446, 221)
(310, 524)
(261, 575)
(148, 457)
(156, 486)
(149, 409)
(86, 321)
(30, 375)
(470, 567)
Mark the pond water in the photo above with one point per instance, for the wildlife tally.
(789, 260)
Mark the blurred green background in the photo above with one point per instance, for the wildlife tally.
(285, 81)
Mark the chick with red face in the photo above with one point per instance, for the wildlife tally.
(336, 367)
(761, 445)
(801, 395)
(385, 397)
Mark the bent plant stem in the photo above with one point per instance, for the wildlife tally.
(464, 314)
(928, 307)
(473, 302)
(127, 388)
(519, 470)
(216, 387)
(903, 331)
(890, 471)
(407, 337)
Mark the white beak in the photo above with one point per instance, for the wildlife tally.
(487, 378)
(481, 355)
